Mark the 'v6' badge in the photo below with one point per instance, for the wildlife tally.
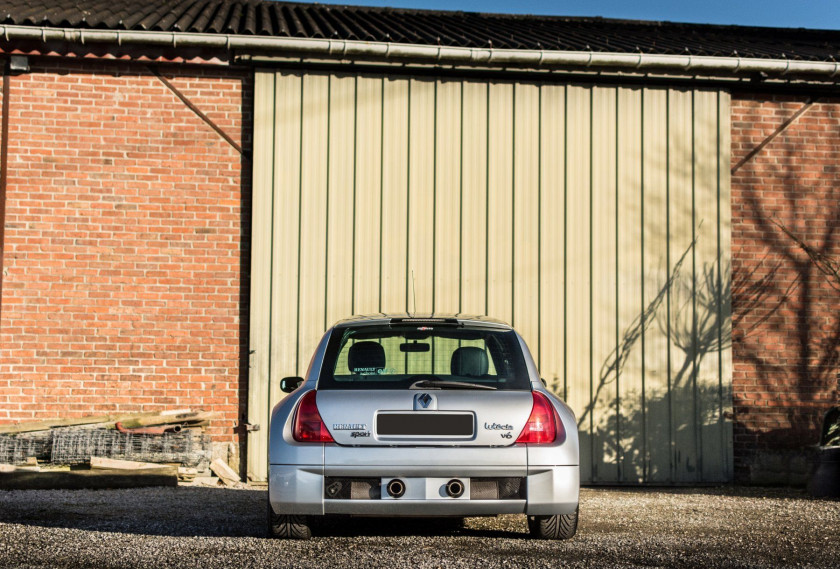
(424, 401)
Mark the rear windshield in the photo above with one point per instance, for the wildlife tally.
(397, 357)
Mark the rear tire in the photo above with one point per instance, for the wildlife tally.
(288, 526)
(560, 526)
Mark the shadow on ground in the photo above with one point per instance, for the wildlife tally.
(200, 512)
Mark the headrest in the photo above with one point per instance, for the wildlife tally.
(469, 361)
(366, 358)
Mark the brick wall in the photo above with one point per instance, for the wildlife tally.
(126, 250)
(786, 313)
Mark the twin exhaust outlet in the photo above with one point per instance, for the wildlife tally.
(454, 488)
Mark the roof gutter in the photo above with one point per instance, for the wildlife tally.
(384, 51)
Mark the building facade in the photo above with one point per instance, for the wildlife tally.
(190, 198)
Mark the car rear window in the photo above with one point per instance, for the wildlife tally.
(397, 356)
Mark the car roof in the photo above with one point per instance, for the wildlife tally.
(425, 318)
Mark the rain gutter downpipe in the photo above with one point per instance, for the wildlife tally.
(427, 53)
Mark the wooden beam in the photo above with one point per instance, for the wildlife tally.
(100, 463)
(87, 479)
(129, 420)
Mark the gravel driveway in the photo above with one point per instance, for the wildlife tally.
(214, 527)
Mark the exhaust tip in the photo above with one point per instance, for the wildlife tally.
(454, 488)
(396, 488)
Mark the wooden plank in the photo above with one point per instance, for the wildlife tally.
(604, 333)
(102, 463)
(7, 468)
(129, 420)
(221, 469)
(166, 417)
(552, 238)
(88, 479)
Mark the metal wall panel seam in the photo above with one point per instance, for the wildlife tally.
(643, 404)
(618, 454)
(591, 336)
(539, 225)
(381, 179)
(565, 241)
(672, 442)
(434, 203)
(409, 273)
(513, 209)
(461, 204)
(487, 209)
(698, 434)
(299, 225)
(355, 182)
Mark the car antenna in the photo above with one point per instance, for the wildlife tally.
(413, 294)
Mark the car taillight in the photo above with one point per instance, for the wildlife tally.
(543, 424)
(308, 426)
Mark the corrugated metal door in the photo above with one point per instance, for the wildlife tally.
(595, 219)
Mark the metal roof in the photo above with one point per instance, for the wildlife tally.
(423, 27)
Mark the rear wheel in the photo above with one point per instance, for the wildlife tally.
(287, 526)
(560, 526)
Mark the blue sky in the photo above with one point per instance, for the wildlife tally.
(824, 14)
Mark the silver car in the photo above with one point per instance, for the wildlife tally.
(422, 416)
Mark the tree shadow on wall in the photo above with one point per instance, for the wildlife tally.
(790, 342)
(659, 433)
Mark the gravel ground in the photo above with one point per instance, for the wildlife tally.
(214, 527)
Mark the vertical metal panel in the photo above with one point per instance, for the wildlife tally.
(682, 259)
(526, 215)
(340, 200)
(473, 224)
(313, 213)
(500, 201)
(706, 294)
(603, 228)
(447, 223)
(395, 148)
(578, 269)
(629, 355)
(259, 336)
(285, 237)
(595, 218)
(552, 237)
(421, 194)
(654, 319)
(368, 192)
(724, 236)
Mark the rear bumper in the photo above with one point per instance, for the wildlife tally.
(296, 489)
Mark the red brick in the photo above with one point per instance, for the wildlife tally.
(123, 206)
